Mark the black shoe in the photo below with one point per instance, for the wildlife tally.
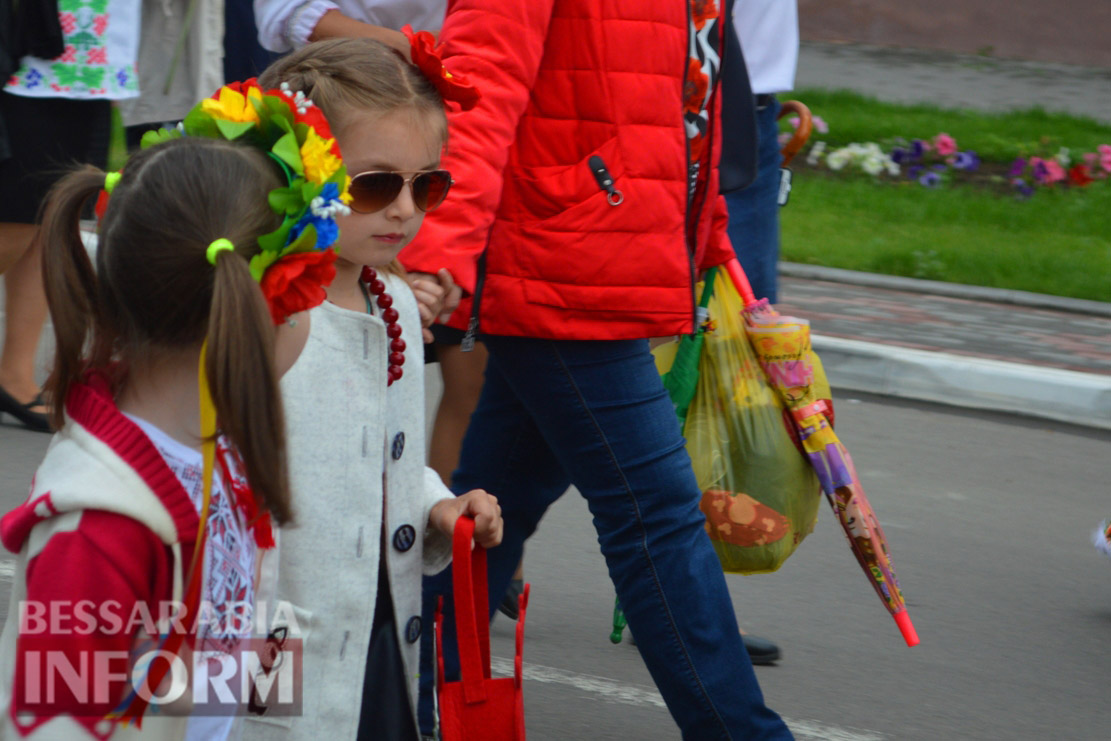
(760, 650)
(509, 605)
(36, 421)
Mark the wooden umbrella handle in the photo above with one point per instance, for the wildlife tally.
(802, 132)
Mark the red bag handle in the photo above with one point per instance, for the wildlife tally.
(472, 611)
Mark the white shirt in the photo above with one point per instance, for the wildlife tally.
(769, 34)
(229, 563)
(286, 24)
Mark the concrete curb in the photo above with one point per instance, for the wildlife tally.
(952, 290)
(976, 383)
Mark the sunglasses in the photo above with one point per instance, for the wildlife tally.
(373, 191)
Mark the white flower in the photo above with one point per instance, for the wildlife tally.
(838, 158)
(816, 153)
(1063, 157)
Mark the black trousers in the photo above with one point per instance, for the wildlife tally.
(385, 713)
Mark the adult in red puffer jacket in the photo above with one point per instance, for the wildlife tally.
(587, 178)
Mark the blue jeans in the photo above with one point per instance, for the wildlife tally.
(754, 212)
(595, 414)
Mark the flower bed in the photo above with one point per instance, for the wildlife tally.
(939, 161)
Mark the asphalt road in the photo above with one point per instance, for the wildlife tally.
(988, 518)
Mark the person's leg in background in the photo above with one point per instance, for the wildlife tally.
(601, 408)
(47, 136)
(754, 211)
(25, 314)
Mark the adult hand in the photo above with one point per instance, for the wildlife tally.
(483, 507)
(437, 297)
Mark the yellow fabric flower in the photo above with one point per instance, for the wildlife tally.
(233, 106)
(317, 157)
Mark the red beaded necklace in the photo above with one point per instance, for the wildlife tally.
(390, 316)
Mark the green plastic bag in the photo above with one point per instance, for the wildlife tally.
(759, 494)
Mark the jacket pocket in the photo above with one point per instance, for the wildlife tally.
(562, 192)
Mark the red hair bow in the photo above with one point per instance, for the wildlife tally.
(426, 58)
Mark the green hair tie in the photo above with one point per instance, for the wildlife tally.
(110, 180)
(218, 246)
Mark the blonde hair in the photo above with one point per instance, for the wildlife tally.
(344, 76)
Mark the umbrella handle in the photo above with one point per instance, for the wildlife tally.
(740, 282)
(802, 133)
(906, 627)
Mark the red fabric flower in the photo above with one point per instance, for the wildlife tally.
(702, 11)
(426, 58)
(694, 91)
(1080, 175)
(239, 87)
(296, 282)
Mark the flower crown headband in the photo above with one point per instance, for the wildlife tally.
(296, 260)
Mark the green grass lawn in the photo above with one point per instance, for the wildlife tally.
(1057, 242)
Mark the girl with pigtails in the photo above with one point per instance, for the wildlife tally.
(137, 546)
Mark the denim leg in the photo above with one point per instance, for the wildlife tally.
(502, 449)
(754, 212)
(601, 409)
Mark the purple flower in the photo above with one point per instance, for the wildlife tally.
(899, 155)
(1017, 167)
(967, 161)
(918, 148)
(913, 172)
(1041, 172)
(940, 168)
(930, 180)
(1022, 189)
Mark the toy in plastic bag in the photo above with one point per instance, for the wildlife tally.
(759, 494)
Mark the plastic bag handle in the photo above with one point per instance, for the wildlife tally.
(472, 617)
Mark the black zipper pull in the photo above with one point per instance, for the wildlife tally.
(614, 197)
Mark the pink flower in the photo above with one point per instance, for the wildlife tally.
(783, 138)
(945, 144)
(794, 121)
(1105, 156)
(1054, 173)
(820, 125)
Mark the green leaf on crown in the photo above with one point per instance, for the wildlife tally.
(288, 149)
(260, 262)
(305, 241)
(199, 123)
(288, 200)
(275, 240)
(158, 136)
(233, 129)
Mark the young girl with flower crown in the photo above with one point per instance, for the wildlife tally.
(371, 516)
(137, 544)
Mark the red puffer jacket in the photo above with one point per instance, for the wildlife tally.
(563, 81)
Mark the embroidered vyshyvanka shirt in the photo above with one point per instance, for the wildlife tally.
(101, 39)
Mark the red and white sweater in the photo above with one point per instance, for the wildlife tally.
(106, 533)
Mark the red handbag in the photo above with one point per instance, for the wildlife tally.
(477, 708)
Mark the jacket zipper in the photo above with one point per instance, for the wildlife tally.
(471, 335)
(688, 230)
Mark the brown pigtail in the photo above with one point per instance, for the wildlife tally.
(244, 383)
(71, 287)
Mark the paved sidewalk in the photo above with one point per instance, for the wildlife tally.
(906, 338)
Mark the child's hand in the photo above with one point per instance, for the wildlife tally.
(483, 507)
(437, 297)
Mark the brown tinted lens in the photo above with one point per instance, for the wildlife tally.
(373, 191)
(430, 189)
